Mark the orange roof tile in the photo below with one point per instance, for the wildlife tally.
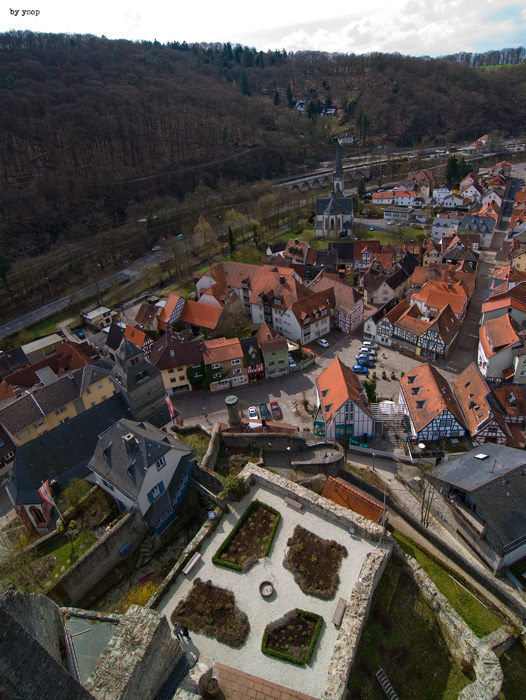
(341, 493)
(427, 394)
(221, 350)
(471, 391)
(497, 334)
(164, 316)
(336, 384)
(135, 335)
(202, 315)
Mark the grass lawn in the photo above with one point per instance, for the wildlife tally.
(68, 551)
(513, 664)
(481, 620)
(50, 325)
(198, 441)
(403, 638)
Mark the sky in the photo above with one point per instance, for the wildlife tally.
(410, 27)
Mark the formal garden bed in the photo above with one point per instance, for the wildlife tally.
(314, 562)
(250, 539)
(212, 611)
(293, 637)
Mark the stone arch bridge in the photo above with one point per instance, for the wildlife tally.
(323, 179)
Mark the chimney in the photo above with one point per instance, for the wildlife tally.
(296, 241)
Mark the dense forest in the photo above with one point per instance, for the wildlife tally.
(93, 129)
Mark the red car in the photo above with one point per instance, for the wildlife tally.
(276, 410)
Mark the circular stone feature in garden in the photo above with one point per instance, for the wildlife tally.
(266, 589)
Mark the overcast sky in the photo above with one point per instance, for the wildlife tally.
(413, 27)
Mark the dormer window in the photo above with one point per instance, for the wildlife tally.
(411, 380)
(421, 404)
(415, 390)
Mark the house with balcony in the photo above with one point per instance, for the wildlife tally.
(224, 363)
(254, 363)
(430, 405)
(143, 467)
(343, 411)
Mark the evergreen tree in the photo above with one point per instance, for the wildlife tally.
(362, 190)
(244, 85)
(452, 172)
(290, 99)
(231, 241)
(277, 98)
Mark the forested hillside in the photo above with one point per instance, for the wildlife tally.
(93, 129)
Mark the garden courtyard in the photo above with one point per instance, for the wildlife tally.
(310, 678)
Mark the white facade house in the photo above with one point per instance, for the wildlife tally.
(404, 198)
(452, 201)
(440, 193)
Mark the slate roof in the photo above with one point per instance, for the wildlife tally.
(11, 360)
(482, 224)
(124, 463)
(336, 204)
(498, 487)
(341, 493)
(251, 351)
(276, 248)
(64, 452)
(344, 249)
(169, 352)
(397, 279)
(115, 336)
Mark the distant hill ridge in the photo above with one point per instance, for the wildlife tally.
(500, 57)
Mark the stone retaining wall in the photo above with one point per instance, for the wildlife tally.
(353, 623)
(187, 553)
(464, 645)
(362, 526)
(73, 588)
(210, 458)
(138, 659)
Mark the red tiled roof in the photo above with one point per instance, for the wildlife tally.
(135, 335)
(68, 357)
(341, 493)
(471, 391)
(497, 334)
(221, 350)
(427, 394)
(164, 317)
(202, 315)
(336, 384)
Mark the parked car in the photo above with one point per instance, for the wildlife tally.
(368, 351)
(360, 369)
(323, 343)
(156, 248)
(180, 237)
(369, 344)
(253, 413)
(263, 409)
(276, 410)
(80, 334)
(371, 228)
(292, 364)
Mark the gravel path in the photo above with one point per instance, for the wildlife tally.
(249, 658)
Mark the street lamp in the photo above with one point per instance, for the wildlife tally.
(374, 455)
(288, 454)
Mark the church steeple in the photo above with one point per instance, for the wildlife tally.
(338, 170)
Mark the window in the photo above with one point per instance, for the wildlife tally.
(39, 424)
(59, 411)
(135, 360)
(216, 365)
(173, 380)
(88, 391)
(108, 485)
(156, 492)
(9, 455)
(99, 385)
(271, 363)
(181, 377)
(237, 370)
(236, 362)
(160, 464)
(223, 383)
(141, 375)
(180, 369)
(217, 375)
(171, 371)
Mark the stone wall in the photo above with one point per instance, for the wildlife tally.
(210, 458)
(280, 441)
(75, 586)
(208, 479)
(39, 616)
(362, 527)
(138, 659)
(353, 623)
(207, 527)
(27, 670)
(464, 645)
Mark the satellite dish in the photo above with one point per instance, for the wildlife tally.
(421, 446)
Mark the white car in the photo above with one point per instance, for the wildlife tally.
(253, 413)
(323, 343)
